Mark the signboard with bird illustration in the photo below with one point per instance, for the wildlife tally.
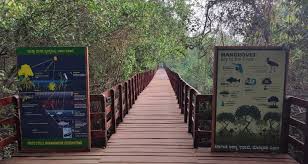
(249, 98)
(53, 84)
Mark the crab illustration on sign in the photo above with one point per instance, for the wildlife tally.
(266, 82)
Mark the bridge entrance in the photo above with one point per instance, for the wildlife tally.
(152, 132)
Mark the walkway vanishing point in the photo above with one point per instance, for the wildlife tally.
(152, 132)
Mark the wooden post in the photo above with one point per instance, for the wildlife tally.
(126, 98)
(120, 103)
(186, 102)
(104, 122)
(133, 89)
(113, 112)
(190, 110)
(17, 103)
(181, 95)
(129, 91)
(178, 88)
(196, 122)
(139, 83)
(306, 139)
(285, 126)
(136, 87)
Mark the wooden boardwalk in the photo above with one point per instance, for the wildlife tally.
(152, 132)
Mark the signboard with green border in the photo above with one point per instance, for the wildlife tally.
(54, 86)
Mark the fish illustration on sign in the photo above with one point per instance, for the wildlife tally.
(63, 123)
(233, 80)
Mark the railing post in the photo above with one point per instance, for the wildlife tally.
(139, 83)
(196, 122)
(133, 90)
(113, 112)
(104, 122)
(120, 102)
(178, 88)
(126, 98)
(181, 95)
(306, 139)
(136, 87)
(186, 102)
(102, 99)
(190, 110)
(17, 103)
(285, 126)
(129, 89)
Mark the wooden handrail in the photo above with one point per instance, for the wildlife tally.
(115, 104)
(189, 100)
(288, 120)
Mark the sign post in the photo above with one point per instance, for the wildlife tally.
(249, 91)
(54, 87)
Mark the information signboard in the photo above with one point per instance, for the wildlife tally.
(249, 98)
(53, 84)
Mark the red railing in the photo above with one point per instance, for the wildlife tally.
(107, 110)
(295, 128)
(197, 110)
(12, 121)
(195, 107)
(110, 108)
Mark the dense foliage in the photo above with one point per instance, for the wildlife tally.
(123, 37)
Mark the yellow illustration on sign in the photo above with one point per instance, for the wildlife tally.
(25, 71)
(52, 86)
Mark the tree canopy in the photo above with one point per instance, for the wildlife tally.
(124, 37)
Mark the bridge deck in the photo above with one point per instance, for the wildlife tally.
(152, 132)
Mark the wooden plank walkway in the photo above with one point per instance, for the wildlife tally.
(152, 132)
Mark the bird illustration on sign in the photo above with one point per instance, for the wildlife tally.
(273, 65)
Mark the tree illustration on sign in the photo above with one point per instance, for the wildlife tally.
(273, 100)
(246, 114)
(272, 118)
(267, 82)
(225, 119)
(25, 71)
(24, 74)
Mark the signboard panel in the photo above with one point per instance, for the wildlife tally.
(53, 83)
(249, 98)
